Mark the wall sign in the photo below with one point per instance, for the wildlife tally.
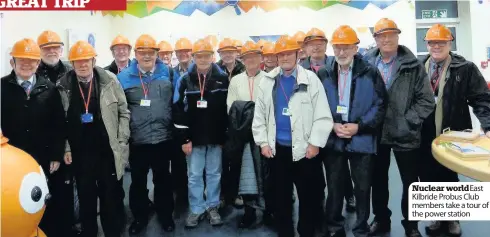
(434, 14)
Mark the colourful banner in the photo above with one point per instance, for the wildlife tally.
(143, 8)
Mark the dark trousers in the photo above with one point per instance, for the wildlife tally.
(307, 175)
(179, 171)
(228, 192)
(408, 167)
(96, 178)
(348, 188)
(141, 159)
(431, 169)
(58, 217)
(336, 167)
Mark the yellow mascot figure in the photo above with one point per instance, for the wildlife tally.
(24, 192)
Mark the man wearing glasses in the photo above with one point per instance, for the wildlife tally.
(456, 84)
(120, 48)
(149, 93)
(409, 102)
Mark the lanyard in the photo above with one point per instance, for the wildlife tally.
(86, 102)
(145, 89)
(385, 77)
(284, 92)
(251, 88)
(201, 86)
(342, 89)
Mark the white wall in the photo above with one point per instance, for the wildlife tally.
(480, 18)
(226, 23)
(18, 25)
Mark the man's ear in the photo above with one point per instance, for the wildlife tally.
(93, 62)
(12, 63)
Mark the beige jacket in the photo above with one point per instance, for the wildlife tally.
(114, 110)
(311, 119)
(242, 86)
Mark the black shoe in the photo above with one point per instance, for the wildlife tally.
(350, 206)
(168, 225)
(412, 232)
(340, 233)
(435, 228)
(137, 226)
(248, 219)
(379, 228)
(268, 219)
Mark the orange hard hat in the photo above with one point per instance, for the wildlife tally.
(26, 48)
(286, 44)
(227, 44)
(300, 37)
(237, 43)
(315, 34)
(81, 50)
(249, 48)
(120, 40)
(145, 42)
(212, 39)
(261, 43)
(344, 35)
(183, 44)
(439, 32)
(385, 25)
(49, 38)
(202, 46)
(165, 46)
(268, 48)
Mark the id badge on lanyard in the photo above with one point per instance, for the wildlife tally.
(86, 117)
(202, 104)
(144, 102)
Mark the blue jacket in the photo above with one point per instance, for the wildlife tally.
(367, 105)
(152, 124)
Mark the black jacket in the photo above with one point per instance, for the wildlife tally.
(410, 100)
(240, 120)
(113, 67)
(34, 124)
(240, 126)
(464, 86)
(202, 126)
(239, 68)
(53, 73)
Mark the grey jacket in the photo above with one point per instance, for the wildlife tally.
(410, 100)
(149, 124)
(114, 111)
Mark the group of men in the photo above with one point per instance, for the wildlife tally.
(246, 130)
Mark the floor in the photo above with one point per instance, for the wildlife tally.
(231, 215)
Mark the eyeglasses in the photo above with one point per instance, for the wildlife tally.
(438, 43)
(338, 49)
(146, 53)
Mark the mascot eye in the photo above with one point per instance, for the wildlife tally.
(33, 191)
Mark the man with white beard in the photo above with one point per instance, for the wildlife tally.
(51, 66)
(350, 81)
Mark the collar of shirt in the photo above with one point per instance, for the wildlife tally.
(379, 59)
(343, 72)
(83, 80)
(144, 72)
(32, 80)
(433, 63)
(293, 74)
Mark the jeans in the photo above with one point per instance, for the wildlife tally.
(361, 167)
(204, 158)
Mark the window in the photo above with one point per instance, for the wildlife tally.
(428, 13)
(436, 9)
